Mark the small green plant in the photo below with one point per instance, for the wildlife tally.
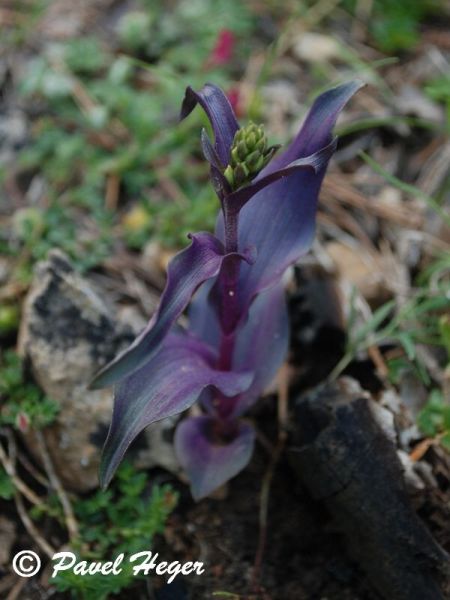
(125, 518)
(416, 322)
(419, 319)
(434, 418)
(99, 139)
(444, 329)
(23, 403)
(9, 318)
(439, 90)
(39, 230)
(93, 587)
(395, 24)
(6, 485)
(23, 18)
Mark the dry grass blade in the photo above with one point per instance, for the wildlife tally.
(337, 186)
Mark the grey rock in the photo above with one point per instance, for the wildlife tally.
(67, 333)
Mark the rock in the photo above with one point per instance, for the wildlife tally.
(157, 449)
(316, 47)
(67, 333)
(156, 258)
(317, 324)
(357, 267)
(346, 463)
(412, 101)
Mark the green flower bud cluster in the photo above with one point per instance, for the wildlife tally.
(249, 154)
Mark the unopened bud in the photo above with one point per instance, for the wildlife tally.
(249, 154)
(240, 175)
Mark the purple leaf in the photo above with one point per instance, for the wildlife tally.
(209, 152)
(209, 458)
(219, 181)
(318, 125)
(220, 114)
(280, 219)
(203, 320)
(238, 319)
(261, 345)
(236, 200)
(187, 270)
(169, 383)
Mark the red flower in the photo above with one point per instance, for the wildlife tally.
(22, 422)
(233, 96)
(222, 52)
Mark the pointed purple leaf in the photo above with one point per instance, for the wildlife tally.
(280, 219)
(187, 270)
(203, 321)
(209, 152)
(234, 202)
(219, 181)
(220, 114)
(168, 384)
(318, 125)
(208, 461)
(261, 345)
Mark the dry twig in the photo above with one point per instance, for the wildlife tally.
(10, 469)
(9, 464)
(283, 388)
(30, 527)
(71, 523)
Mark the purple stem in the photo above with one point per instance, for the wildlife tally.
(230, 276)
(229, 304)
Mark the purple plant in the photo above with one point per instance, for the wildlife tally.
(238, 325)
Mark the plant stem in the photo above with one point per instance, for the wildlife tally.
(229, 308)
(229, 279)
(231, 230)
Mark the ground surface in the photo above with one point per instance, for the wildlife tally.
(93, 162)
